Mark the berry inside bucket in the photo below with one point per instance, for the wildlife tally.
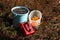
(35, 18)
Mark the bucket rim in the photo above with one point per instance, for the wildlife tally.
(34, 11)
(19, 7)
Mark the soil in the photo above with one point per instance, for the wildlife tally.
(49, 29)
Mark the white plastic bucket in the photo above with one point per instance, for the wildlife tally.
(35, 23)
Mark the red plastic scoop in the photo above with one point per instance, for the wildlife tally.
(27, 28)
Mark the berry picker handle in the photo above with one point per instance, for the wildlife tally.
(27, 26)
